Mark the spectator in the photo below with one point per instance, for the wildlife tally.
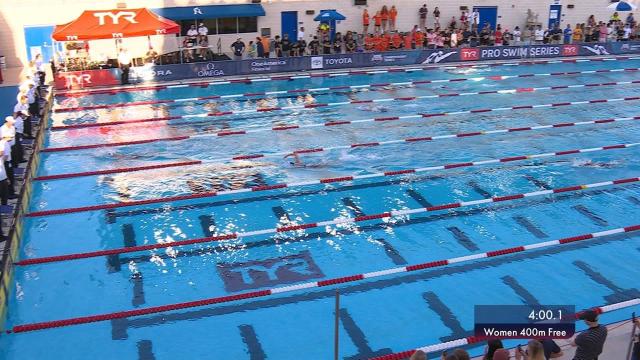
(302, 46)
(630, 20)
(377, 22)
(276, 45)
(568, 34)
(461, 354)
(485, 35)
(365, 21)
(627, 33)
(419, 39)
(498, 36)
(535, 351)
(314, 46)
(577, 34)
(615, 16)
(517, 36)
(286, 45)
(453, 39)
(238, 47)
(501, 354)
(538, 35)
(591, 21)
(464, 20)
(436, 18)
(603, 32)
(259, 47)
(4, 182)
(266, 46)
(385, 17)
(124, 61)
(475, 18)
(326, 45)
(253, 50)
(452, 23)
(393, 15)
(350, 44)
(203, 44)
(590, 342)
(337, 43)
(396, 41)
(492, 347)
(370, 43)
(300, 34)
(151, 57)
(203, 38)
(407, 40)
(418, 355)
(423, 16)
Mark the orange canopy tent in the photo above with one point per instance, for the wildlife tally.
(114, 24)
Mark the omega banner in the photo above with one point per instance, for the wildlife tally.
(213, 70)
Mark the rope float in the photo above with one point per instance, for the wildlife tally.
(113, 91)
(338, 221)
(329, 282)
(352, 87)
(288, 127)
(315, 182)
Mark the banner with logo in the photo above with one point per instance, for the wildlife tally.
(86, 79)
(212, 70)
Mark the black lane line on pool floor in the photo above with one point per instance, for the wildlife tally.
(120, 327)
(619, 294)
(634, 200)
(129, 240)
(281, 214)
(208, 225)
(249, 337)
(380, 226)
(539, 183)
(389, 250)
(138, 291)
(419, 198)
(463, 239)
(478, 189)
(145, 350)
(447, 317)
(358, 338)
(584, 211)
(525, 295)
(530, 227)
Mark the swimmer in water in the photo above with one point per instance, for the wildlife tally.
(309, 99)
(373, 108)
(262, 103)
(296, 162)
(596, 164)
(212, 107)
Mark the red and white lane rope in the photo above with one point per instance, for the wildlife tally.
(319, 181)
(473, 339)
(351, 87)
(322, 224)
(336, 281)
(241, 131)
(249, 80)
(285, 127)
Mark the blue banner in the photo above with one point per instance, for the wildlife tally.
(217, 69)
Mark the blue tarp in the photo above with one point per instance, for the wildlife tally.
(210, 11)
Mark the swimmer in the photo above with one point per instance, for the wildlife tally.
(595, 164)
(212, 107)
(262, 103)
(309, 99)
(296, 162)
(373, 108)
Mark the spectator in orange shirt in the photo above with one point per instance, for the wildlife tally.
(365, 21)
(386, 41)
(377, 21)
(396, 41)
(419, 36)
(370, 43)
(266, 44)
(408, 41)
(393, 14)
(385, 17)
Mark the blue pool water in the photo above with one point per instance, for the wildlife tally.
(378, 316)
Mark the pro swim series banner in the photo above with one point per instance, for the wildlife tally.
(217, 69)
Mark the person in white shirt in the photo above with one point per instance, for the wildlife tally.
(8, 135)
(22, 106)
(17, 154)
(475, 18)
(124, 60)
(539, 35)
(4, 185)
(300, 34)
(517, 36)
(40, 69)
(627, 32)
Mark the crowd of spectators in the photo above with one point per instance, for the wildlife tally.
(17, 127)
(379, 33)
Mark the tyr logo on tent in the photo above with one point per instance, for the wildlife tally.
(130, 16)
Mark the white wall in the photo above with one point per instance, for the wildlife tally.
(15, 14)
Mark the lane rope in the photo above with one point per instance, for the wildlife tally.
(331, 282)
(473, 339)
(249, 80)
(320, 224)
(247, 96)
(287, 127)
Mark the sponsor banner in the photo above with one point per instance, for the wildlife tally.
(85, 79)
(213, 70)
(625, 47)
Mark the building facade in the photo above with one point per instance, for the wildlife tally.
(26, 25)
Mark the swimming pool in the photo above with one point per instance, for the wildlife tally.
(395, 169)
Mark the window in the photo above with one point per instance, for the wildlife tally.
(227, 25)
(247, 24)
